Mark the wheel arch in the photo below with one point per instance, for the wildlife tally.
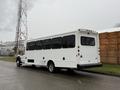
(50, 61)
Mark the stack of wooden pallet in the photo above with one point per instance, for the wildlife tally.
(110, 47)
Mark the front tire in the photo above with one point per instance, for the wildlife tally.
(51, 67)
(18, 62)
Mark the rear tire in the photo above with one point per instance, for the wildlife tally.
(51, 67)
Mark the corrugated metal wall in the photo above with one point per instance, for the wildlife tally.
(110, 47)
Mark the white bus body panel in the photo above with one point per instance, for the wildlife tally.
(87, 54)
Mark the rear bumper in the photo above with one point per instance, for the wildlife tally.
(88, 65)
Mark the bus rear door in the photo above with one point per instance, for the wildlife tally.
(88, 48)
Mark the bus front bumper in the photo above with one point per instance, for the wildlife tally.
(88, 65)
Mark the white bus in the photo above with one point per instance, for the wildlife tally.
(73, 50)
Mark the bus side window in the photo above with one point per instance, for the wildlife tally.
(46, 44)
(38, 45)
(56, 43)
(32, 46)
(69, 41)
(27, 47)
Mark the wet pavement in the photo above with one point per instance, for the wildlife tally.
(28, 78)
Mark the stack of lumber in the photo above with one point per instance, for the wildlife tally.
(110, 47)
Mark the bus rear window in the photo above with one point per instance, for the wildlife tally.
(87, 41)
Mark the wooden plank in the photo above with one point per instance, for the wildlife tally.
(103, 35)
(112, 54)
(104, 41)
(104, 59)
(112, 41)
(112, 47)
(118, 34)
(118, 39)
(103, 47)
(112, 35)
(103, 54)
(112, 60)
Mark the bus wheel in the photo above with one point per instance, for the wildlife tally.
(51, 67)
(34, 66)
(18, 63)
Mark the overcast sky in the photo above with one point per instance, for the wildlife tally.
(48, 17)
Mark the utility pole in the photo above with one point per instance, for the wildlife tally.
(21, 29)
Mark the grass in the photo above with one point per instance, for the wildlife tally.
(106, 69)
(7, 58)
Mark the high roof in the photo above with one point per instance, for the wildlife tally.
(80, 30)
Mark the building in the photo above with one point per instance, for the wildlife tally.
(7, 48)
